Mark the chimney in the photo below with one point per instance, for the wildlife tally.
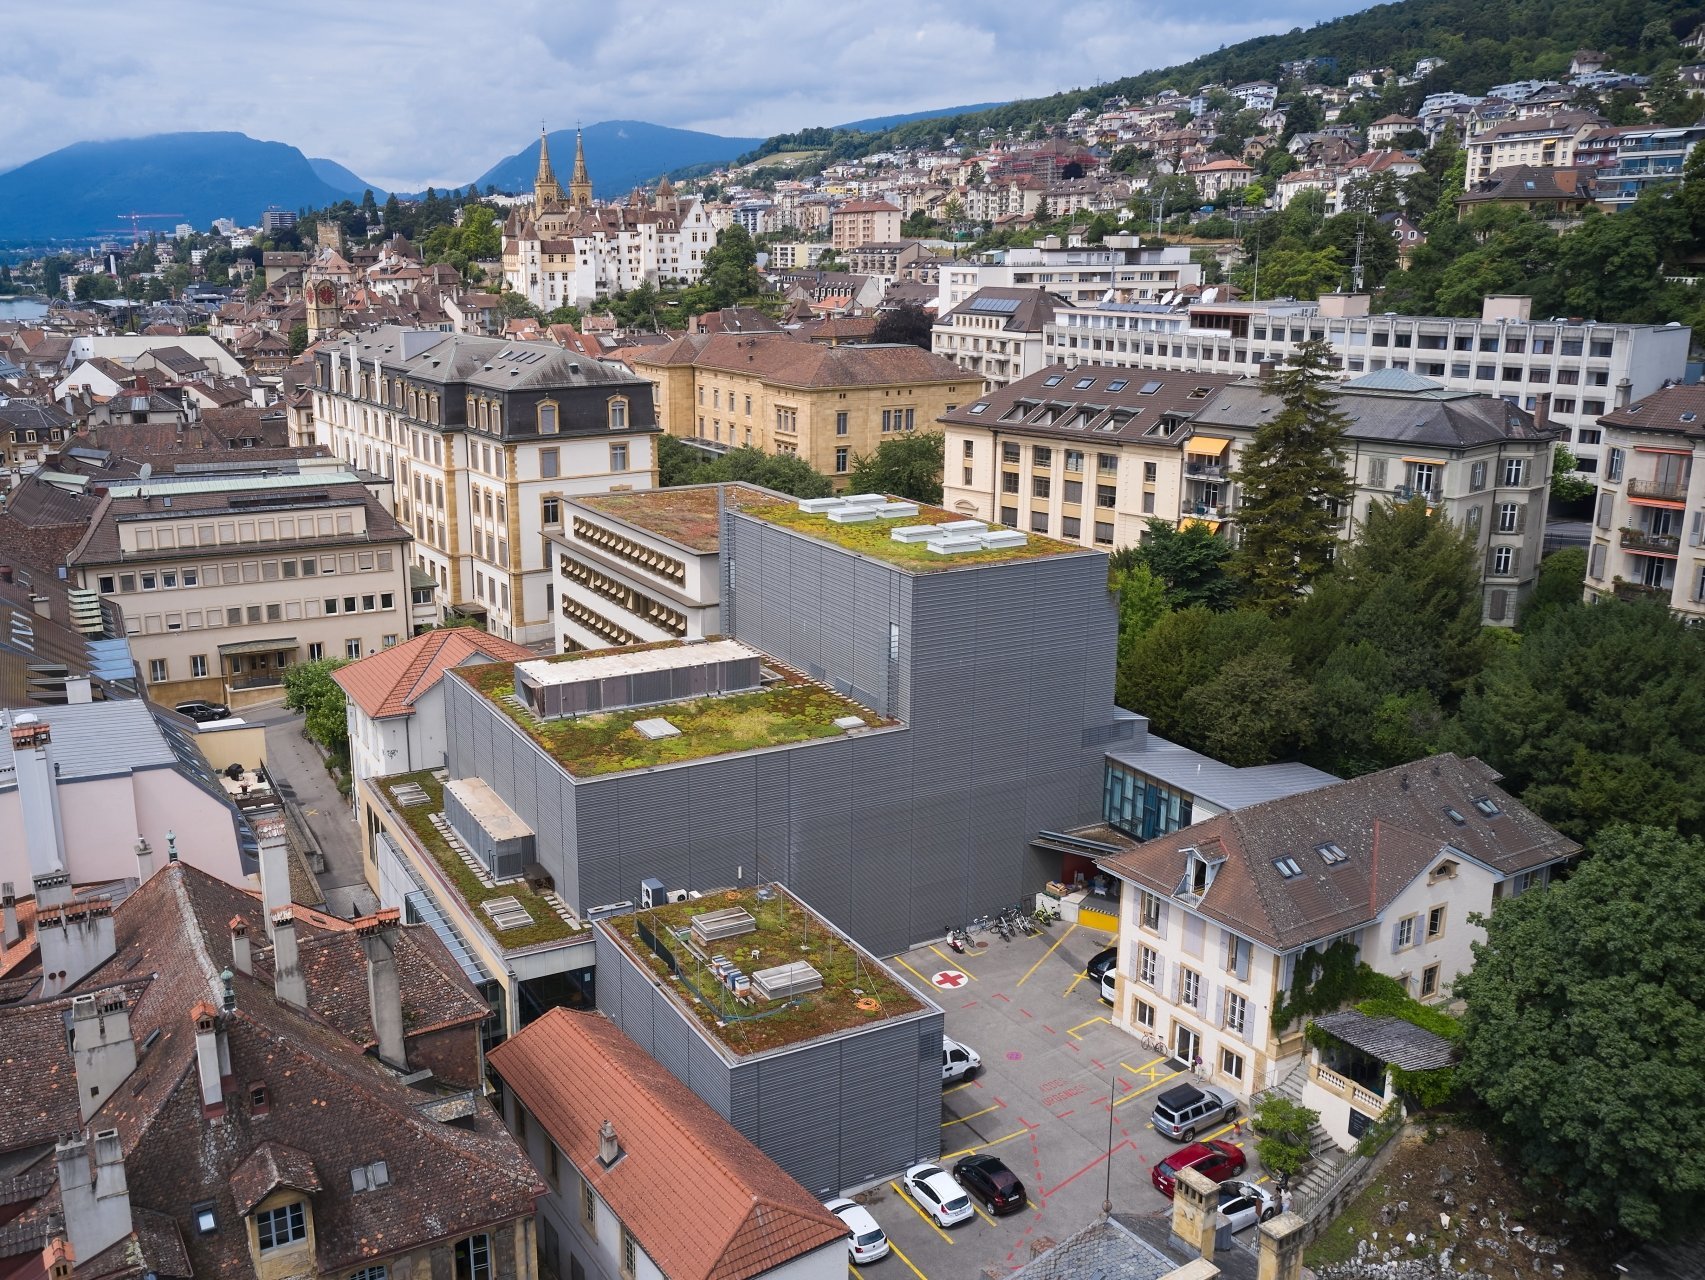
(96, 1201)
(274, 870)
(102, 1050)
(75, 939)
(52, 890)
(609, 1149)
(240, 959)
(1265, 370)
(144, 859)
(378, 935)
(1542, 411)
(207, 1065)
(1281, 1243)
(9, 915)
(1195, 1213)
(288, 984)
(1624, 393)
(32, 755)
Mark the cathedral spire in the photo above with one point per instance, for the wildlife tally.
(580, 185)
(546, 189)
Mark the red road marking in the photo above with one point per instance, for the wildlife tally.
(1072, 1045)
(1027, 1013)
(1025, 1123)
(1098, 1159)
(1049, 1029)
(1061, 1115)
(1098, 1063)
(949, 978)
(967, 1004)
(999, 996)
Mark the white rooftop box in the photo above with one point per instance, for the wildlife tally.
(852, 515)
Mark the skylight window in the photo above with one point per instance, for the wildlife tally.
(1083, 384)
(1487, 806)
(1288, 867)
(979, 408)
(1455, 816)
(1148, 388)
(1118, 384)
(1053, 380)
(1331, 854)
(1690, 417)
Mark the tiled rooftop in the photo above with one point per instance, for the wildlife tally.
(857, 988)
(792, 709)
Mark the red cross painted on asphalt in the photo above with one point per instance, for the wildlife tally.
(949, 978)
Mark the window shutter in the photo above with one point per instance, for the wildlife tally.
(1160, 925)
(1376, 473)
(1515, 563)
(1216, 1010)
(1489, 561)
(1396, 937)
(1595, 567)
(1499, 605)
(1521, 518)
(1605, 501)
(1254, 1023)
(1243, 950)
(1693, 533)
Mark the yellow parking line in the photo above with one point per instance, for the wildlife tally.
(917, 1209)
(920, 977)
(956, 1088)
(999, 1106)
(993, 1142)
(1080, 978)
(895, 1250)
(1050, 951)
(985, 1217)
(953, 962)
(1137, 1093)
(1073, 1031)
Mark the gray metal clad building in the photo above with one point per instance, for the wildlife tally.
(999, 674)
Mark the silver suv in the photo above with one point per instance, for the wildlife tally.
(1182, 1112)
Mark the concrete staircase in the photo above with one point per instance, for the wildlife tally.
(1325, 1155)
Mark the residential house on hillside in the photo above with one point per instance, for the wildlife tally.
(996, 333)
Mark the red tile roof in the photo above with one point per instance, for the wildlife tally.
(390, 682)
(744, 1216)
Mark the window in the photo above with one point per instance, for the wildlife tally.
(589, 1209)
(630, 1253)
(550, 510)
(619, 413)
(1151, 472)
(281, 1226)
(1503, 561)
(1515, 471)
(550, 463)
(1107, 463)
(316, 651)
(1039, 486)
(197, 665)
(1009, 516)
(840, 461)
(1103, 534)
(369, 1273)
(352, 649)
(156, 670)
(1150, 907)
(1009, 482)
(1507, 517)
(1042, 456)
(1613, 460)
(1142, 1013)
(206, 1218)
(1477, 477)
(1148, 966)
(1106, 495)
(553, 1161)
(473, 1258)
(108, 585)
(1231, 1063)
(1190, 988)
(1009, 452)
(1038, 522)
(970, 450)
(1435, 922)
(841, 426)
(1236, 1012)
(547, 419)
(1404, 936)
(618, 457)
(1430, 981)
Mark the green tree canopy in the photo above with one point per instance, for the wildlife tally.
(1293, 481)
(1584, 1031)
(1597, 715)
(907, 465)
(309, 688)
(1189, 561)
(1559, 585)
(906, 322)
(679, 463)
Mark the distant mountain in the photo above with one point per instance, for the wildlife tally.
(333, 173)
(194, 177)
(888, 122)
(620, 155)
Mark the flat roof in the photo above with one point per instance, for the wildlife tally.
(790, 710)
(1225, 785)
(858, 989)
(685, 516)
(627, 662)
(487, 808)
(871, 537)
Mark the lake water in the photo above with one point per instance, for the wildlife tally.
(21, 309)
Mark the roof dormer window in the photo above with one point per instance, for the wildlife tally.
(1199, 873)
(1487, 806)
(1331, 854)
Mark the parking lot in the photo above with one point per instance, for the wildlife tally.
(1060, 1085)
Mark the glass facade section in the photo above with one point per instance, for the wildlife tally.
(1139, 806)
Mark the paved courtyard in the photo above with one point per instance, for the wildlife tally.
(1060, 1088)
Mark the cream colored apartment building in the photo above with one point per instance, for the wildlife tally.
(225, 584)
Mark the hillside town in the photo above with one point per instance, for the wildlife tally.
(1187, 607)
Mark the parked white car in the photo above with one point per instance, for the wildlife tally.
(1243, 1204)
(867, 1242)
(958, 1061)
(937, 1194)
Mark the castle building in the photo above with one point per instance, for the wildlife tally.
(569, 251)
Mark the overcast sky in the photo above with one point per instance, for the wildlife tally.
(436, 91)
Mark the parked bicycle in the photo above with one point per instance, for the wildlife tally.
(1046, 915)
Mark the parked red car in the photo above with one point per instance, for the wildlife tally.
(1212, 1159)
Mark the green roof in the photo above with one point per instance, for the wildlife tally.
(792, 710)
(857, 989)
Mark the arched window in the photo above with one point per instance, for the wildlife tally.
(618, 414)
(547, 417)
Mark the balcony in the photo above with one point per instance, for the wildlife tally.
(1204, 471)
(1407, 492)
(1361, 1098)
(1658, 490)
(1208, 511)
(1637, 591)
(1662, 544)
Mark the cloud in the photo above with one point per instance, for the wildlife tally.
(435, 91)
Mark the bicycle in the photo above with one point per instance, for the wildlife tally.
(1045, 916)
(1152, 1042)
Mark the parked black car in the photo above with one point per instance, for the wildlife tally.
(1101, 962)
(202, 712)
(988, 1180)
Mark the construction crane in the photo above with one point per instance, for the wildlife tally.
(136, 222)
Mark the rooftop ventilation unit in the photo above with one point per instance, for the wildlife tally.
(730, 922)
(955, 544)
(865, 500)
(963, 526)
(916, 533)
(897, 510)
(849, 722)
(852, 515)
(656, 727)
(818, 506)
(411, 794)
(787, 980)
(507, 912)
(1002, 539)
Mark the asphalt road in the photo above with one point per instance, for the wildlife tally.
(296, 766)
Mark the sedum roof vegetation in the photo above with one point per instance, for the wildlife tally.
(857, 990)
(793, 710)
(870, 538)
(547, 925)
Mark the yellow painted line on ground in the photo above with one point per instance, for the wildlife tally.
(1050, 951)
(953, 962)
(993, 1142)
(956, 1088)
(1220, 1133)
(1080, 978)
(917, 1209)
(999, 1106)
(895, 1250)
(1073, 1031)
(1137, 1093)
(920, 977)
(979, 1210)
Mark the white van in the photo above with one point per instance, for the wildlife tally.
(958, 1061)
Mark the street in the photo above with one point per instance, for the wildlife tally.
(298, 770)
